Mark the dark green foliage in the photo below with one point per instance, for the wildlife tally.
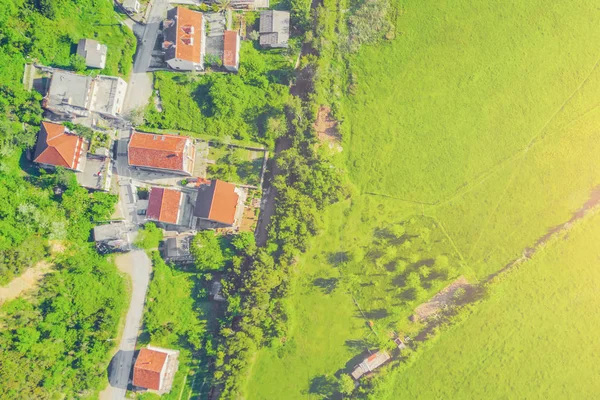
(237, 105)
(149, 237)
(56, 345)
(210, 251)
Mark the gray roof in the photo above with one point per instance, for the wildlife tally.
(93, 51)
(370, 363)
(274, 27)
(68, 90)
(170, 33)
(178, 246)
(116, 231)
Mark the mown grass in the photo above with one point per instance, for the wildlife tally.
(475, 123)
(532, 338)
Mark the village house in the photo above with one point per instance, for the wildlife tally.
(93, 52)
(113, 237)
(370, 363)
(231, 51)
(177, 249)
(218, 205)
(58, 147)
(171, 153)
(274, 28)
(184, 39)
(73, 96)
(170, 209)
(155, 369)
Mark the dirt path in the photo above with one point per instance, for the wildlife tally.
(25, 282)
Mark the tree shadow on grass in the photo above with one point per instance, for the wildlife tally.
(377, 314)
(338, 257)
(327, 285)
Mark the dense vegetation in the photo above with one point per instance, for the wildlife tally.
(47, 31)
(56, 343)
(246, 106)
(518, 337)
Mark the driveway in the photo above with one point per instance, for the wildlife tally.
(140, 85)
(138, 266)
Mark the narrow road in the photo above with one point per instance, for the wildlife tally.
(138, 266)
(140, 84)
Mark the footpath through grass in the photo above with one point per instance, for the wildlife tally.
(532, 338)
(480, 130)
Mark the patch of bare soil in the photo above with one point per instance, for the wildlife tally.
(25, 282)
(326, 128)
(443, 298)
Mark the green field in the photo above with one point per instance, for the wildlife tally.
(475, 132)
(534, 337)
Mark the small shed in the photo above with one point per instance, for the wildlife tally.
(177, 249)
(274, 28)
(370, 363)
(132, 6)
(155, 369)
(113, 237)
(93, 52)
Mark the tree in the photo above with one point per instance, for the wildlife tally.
(207, 251)
(77, 63)
(346, 384)
(149, 237)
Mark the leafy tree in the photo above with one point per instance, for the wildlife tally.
(207, 251)
(77, 63)
(149, 238)
(346, 384)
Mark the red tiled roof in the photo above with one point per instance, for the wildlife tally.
(230, 55)
(157, 151)
(57, 147)
(148, 365)
(189, 44)
(217, 202)
(163, 205)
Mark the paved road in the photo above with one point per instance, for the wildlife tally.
(140, 85)
(138, 266)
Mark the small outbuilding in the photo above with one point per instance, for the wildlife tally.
(177, 249)
(370, 363)
(132, 6)
(113, 237)
(274, 28)
(93, 52)
(155, 369)
(231, 51)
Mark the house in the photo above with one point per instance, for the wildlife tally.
(184, 41)
(164, 206)
(155, 369)
(370, 363)
(73, 96)
(93, 52)
(177, 249)
(218, 205)
(274, 28)
(171, 153)
(231, 51)
(131, 6)
(113, 237)
(58, 147)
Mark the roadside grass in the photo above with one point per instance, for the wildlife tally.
(531, 338)
(476, 125)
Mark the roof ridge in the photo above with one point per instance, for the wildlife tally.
(212, 200)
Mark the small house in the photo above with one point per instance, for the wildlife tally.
(231, 51)
(184, 40)
(177, 249)
(170, 153)
(370, 363)
(165, 206)
(58, 147)
(131, 6)
(274, 28)
(113, 237)
(155, 369)
(93, 52)
(218, 205)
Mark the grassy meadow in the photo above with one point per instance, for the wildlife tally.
(469, 137)
(532, 338)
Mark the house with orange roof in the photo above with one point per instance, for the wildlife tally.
(218, 205)
(165, 206)
(184, 41)
(155, 369)
(171, 153)
(231, 51)
(58, 147)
